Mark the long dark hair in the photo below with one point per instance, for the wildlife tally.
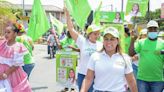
(119, 15)
(74, 74)
(137, 6)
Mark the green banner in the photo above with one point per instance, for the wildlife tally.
(120, 28)
(66, 62)
(112, 17)
(136, 7)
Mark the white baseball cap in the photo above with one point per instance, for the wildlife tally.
(152, 23)
(93, 28)
(111, 30)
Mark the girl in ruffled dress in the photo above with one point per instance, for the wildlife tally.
(12, 76)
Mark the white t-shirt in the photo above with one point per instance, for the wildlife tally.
(110, 71)
(51, 39)
(86, 50)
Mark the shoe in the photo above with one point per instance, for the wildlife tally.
(72, 90)
(65, 90)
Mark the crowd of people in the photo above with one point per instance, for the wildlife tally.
(103, 66)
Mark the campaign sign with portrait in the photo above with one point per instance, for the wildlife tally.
(113, 17)
(136, 8)
(66, 62)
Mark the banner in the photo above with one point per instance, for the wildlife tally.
(66, 62)
(136, 7)
(39, 23)
(79, 10)
(59, 25)
(115, 17)
(162, 10)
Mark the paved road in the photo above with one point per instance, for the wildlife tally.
(43, 77)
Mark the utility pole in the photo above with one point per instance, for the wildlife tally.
(148, 11)
(122, 5)
(111, 7)
(23, 8)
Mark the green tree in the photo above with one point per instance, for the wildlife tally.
(151, 15)
(7, 12)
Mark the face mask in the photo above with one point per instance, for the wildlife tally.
(152, 35)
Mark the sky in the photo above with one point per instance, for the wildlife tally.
(106, 4)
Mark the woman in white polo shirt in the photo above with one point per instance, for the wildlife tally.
(86, 45)
(110, 69)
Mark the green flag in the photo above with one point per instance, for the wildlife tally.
(80, 10)
(59, 25)
(38, 21)
(97, 15)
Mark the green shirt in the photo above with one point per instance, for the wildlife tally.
(151, 62)
(27, 41)
(127, 44)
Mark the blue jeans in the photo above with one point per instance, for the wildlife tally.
(80, 79)
(28, 68)
(135, 70)
(48, 49)
(144, 86)
(101, 91)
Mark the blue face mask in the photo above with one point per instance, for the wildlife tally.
(152, 35)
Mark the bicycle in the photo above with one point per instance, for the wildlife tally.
(51, 52)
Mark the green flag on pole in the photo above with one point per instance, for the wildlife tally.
(97, 15)
(38, 21)
(80, 10)
(59, 25)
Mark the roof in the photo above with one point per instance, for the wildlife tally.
(5, 4)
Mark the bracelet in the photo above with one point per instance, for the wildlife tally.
(4, 75)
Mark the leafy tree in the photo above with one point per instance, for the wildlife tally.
(8, 11)
(151, 15)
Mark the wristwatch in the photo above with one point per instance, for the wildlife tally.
(4, 75)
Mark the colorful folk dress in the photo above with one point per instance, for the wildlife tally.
(13, 56)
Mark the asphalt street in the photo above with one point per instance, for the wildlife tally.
(43, 76)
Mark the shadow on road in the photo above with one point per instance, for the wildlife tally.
(46, 57)
(38, 88)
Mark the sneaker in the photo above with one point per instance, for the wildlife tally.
(65, 90)
(72, 90)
